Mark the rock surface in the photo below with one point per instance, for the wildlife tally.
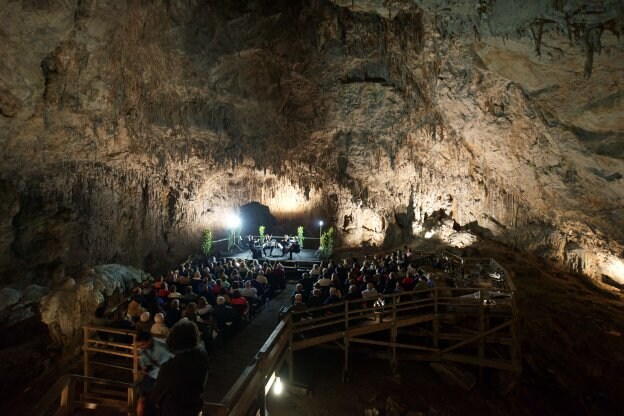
(454, 375)
(71, 305)
(125, 129)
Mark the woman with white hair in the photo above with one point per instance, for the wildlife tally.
(144, 324)
(159, 329)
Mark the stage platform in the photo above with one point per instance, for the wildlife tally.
(305, 256)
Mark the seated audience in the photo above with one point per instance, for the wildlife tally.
(189, 296)
(248, 291)
(226, 319)
(324, 281)
(144, 323)
(204, 310)
(298, 308)
(333, 296)
(159, 329)
(307, 282)
(315, 272)
(174, 314)
(370, 293)
(408, 281)
(163, 292)
(190, 312)
(173, 293)
(299, 291)
(135, 309)
(240, 304)
(316, 299)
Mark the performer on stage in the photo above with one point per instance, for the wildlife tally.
(285, 244)
(270, 244)
(294, 246)
(251, 243)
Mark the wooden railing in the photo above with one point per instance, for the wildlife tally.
(249, 387)
(64, 396)
(100, 340)
(491, 310)
(492, 323)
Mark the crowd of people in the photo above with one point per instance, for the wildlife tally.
(353, 279)
(198, 303)
(219, 296)
(179, 315)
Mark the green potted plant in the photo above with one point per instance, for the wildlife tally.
(206, 245)
(261, 233)
(327, 241)
(300, 235)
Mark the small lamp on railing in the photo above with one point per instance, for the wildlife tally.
(278, 387)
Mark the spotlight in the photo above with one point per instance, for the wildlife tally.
(320, 228)
(233, 221)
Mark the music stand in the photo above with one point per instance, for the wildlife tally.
(235, 244)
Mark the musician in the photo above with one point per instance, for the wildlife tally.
(285, 244)
(294, 246)
(269, 243)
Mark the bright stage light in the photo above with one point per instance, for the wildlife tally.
(321, 223)
(233, 221)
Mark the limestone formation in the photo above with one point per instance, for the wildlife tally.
(127, 128)
(67, 308)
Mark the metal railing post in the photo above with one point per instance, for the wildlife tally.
(436, 318)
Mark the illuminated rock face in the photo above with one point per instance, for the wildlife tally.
(126, 130)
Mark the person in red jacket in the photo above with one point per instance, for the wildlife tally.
(408, 282)
(240, 304)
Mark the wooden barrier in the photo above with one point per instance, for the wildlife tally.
(97, 339)
(250, 386)
(62, 398)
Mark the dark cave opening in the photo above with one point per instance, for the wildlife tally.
(253, 215)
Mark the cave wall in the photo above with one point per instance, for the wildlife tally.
(127, 128)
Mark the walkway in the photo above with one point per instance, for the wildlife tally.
(231, 360)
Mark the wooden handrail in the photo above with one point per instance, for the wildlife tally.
(245, 390)
(239, 385)
(65, 384)
(52, 396)
(110, 330)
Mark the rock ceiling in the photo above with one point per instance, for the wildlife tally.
(126, 129)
